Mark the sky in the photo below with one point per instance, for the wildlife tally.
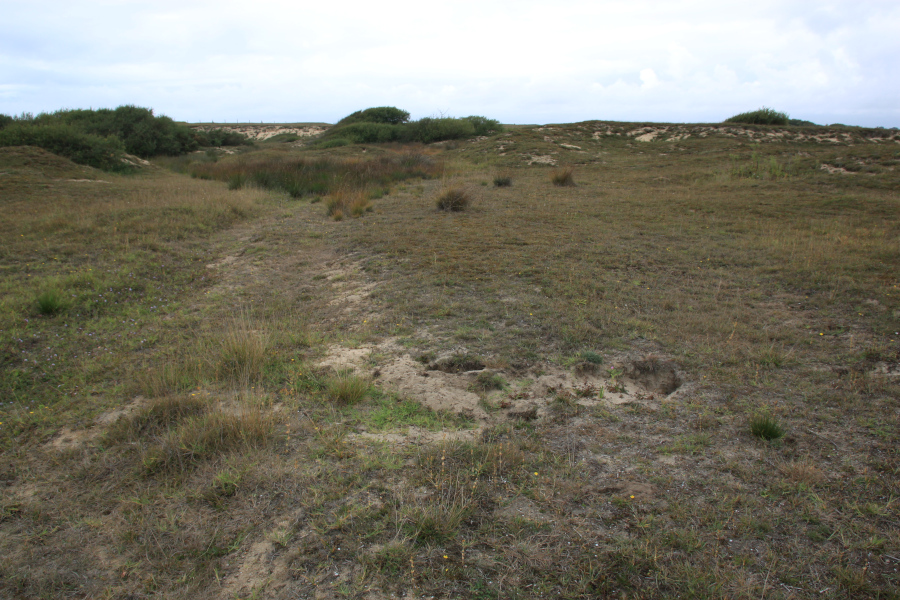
(517, 61)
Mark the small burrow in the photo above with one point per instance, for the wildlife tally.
(653, 374)
(457, 363)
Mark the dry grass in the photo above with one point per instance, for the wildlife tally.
(243, 352)
(770, 294)
(345, 201)
(453, 199)
(563, 177)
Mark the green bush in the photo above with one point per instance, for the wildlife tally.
(389, 124)
(484, 126)
(430, 129)
(142, 133)
(763, 116)
(367, 133)
(65, 140)
(5, 120)
(387, 115)
(223, 137)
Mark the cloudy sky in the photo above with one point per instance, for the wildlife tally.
(517, 61)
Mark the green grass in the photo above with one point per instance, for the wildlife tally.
(766, 427)
(345, 388)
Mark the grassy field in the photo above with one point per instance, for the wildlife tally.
(643, 361)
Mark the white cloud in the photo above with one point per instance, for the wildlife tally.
(693, 60)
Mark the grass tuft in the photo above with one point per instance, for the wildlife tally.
(50, 302)
(503, 178)
(243, 352)
(563, 177)
(347, 389)
(208, 435)
(766, 427)
(487, 381)
(156, 417)
(453, 199)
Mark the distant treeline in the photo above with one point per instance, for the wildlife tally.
(390, 124)
(101, 138)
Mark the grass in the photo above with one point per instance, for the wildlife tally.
(503, 178)
(766, 427)
(345, 388)
(50, 302)
(180, 413)
(453, 199)
(563, 177)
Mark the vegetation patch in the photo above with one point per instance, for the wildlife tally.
(453, 199)
(762, 116)
(766, 427)
(563, 177)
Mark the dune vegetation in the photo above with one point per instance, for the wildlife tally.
(588, 360)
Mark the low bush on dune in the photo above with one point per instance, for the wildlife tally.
(65, 140)
(99, 138)
(388, 124)
(763, 116)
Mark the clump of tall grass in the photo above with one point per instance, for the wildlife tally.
(503, 178)
(346, 388)
(208, 435)
(344, 202)
(156, 417)
(50, 302)
(453, 199)
(762, 116)
(563, 177)
(302, 176)
(765, 426)
(242, 353)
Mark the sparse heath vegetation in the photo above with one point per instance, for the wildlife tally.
(677, 379)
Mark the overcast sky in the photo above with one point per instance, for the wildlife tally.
(517, 61)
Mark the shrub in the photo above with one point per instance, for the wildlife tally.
(5, 120)
(766, 427)
(334, 143)
(592, 357)
(430, 129)
(142, 133)
(562, 177)
(366, 133)
(484, 126)
(763, 116)
(454, 199)
(85, 149)
(388, 115)
(389, 124)
(225, 137)
(284, 138)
